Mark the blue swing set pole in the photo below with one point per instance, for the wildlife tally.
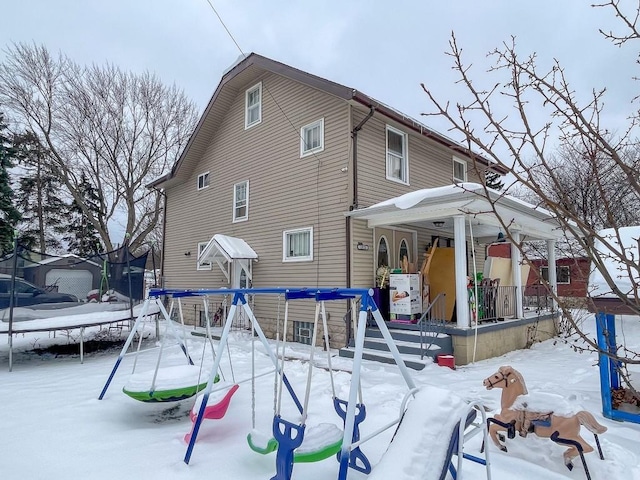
(143, 313)
(238, 300)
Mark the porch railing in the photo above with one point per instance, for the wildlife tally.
(536, 297)
(493, 302)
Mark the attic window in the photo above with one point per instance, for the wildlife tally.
(203, 180)
(253, 106)
(459, 170)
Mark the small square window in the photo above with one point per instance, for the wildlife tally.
(312, 138)
(397, 158)
(253, 106)
(297, 245)
(202, 265)
(459, 170)
(303, 332)
(203, 180)
(241, 201)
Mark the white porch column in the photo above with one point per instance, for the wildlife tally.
(462, 298)
(553, 277)
(516, 277)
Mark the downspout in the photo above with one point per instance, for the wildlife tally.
(353, 206)
(354, 136)
(354, 203)
(164, 230)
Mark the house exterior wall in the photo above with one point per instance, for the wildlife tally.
(285, 192)
(430, 164)
(289, 192)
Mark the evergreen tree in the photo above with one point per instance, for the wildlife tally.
(38, 197)
(493, 180)
(81, 236)
(9, 215)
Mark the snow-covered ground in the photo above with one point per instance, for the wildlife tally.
(52, 425)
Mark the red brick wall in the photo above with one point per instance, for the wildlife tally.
(578, 276)
(578, 271)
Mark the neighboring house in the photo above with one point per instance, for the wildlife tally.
(572, 275)
(63, 274)
(281, 169)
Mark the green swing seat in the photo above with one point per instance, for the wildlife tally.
(172, 384)
(320, 442)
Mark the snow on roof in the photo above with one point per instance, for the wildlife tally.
(230, 247)
(411, 199)
(629, 237)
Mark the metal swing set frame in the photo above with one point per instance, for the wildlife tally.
(349, 451)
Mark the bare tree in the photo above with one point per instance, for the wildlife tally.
(554, 143)
(117, 128)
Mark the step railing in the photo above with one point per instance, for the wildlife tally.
(434, 318)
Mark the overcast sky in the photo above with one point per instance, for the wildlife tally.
(384, 49)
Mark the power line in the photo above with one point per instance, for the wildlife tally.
(295, 129)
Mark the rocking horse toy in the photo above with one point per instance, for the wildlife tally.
(514, 416)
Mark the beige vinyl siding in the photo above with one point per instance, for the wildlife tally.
(430, 164)
(285, 192)
(362, 263)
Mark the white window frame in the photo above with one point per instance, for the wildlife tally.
(285, 254)
(206, 265)
(205, 181)
(457, 160)
(247, 107)
(304, 150)
(404, 158)
(245, 217)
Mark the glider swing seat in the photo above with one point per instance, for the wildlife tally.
(167, 384)
(295, 442)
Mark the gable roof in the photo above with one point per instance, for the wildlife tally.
(254, 65)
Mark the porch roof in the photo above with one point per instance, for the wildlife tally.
(481, 207)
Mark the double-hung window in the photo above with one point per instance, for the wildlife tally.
(459, 170)
(297, 245)
(203, 180)
(202, 265)
(241, 201)
(397, 158)
(253, 106)
(312, 138)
